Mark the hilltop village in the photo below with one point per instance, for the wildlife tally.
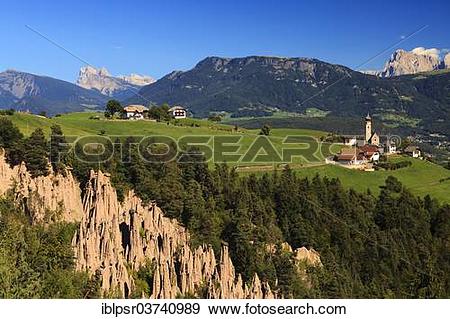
(363, 151)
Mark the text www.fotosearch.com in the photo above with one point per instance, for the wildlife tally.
(194, 308)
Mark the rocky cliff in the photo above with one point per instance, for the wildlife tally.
(411, 62)
(118, 87)
(45, 198)
(118, 238)
(446, 62)
(114, 240)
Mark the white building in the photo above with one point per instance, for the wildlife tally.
(413, 151)
(135, 112)
(349, 140)
(178, 112)
(391, 148)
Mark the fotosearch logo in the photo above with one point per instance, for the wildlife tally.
(200, 148)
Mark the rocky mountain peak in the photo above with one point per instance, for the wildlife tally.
(101, 80)
(410, 62)
(283, 62)
(89, 70)
(137, 79)
(446, 61)
(216, 62)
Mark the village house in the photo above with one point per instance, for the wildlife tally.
(413, 151)
(135, 112)
(349, 140)
(178, 112)
(358, 155)
(391, 148)
(350, 156)
(370, 152)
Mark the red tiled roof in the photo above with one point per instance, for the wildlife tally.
(369, 148)
(346, 157)
(348, 151)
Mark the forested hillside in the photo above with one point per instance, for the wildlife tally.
(391, 245)
(37, 261)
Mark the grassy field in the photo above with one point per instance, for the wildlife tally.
(421, 178)
(83, 124)
(309, 113)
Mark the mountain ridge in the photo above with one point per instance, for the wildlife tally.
(259, 85)
(37, 93)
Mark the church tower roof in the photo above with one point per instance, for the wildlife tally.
(368, 118)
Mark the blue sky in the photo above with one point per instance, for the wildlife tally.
(156, 37)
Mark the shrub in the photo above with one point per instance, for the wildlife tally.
(390, 166)
(7, 112)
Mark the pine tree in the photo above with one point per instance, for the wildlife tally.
(36, 153)
(171, 191)
(9, 133)
(58, 148)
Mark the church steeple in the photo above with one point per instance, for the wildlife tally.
(368, 128)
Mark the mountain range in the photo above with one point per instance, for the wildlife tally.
(259, 86)
(255, 86)
(93, 88)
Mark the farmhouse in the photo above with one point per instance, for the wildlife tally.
(135, 112)
(412, 151)
(349, 140)
(391, 148)
(358, 155)
(351, 156)
(178, 112)
(370, 152)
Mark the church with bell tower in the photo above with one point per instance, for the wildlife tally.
(371, 137)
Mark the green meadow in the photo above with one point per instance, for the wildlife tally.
(422, 177)
(94, 124)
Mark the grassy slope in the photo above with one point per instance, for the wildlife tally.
(80, 124)
(422, 177)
